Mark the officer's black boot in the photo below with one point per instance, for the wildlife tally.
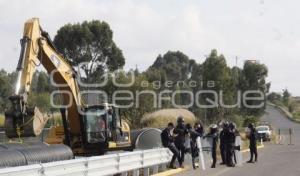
(194, 163)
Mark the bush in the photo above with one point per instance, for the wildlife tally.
(291, 108)
(41, 100)
(278, 103)
(250, 119)
(237, 119)
(296, 115)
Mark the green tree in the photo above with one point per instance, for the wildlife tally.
(285, 94)
(273, 96)
(91, 43)
(286, 100)
(254, 75)
(172, 70)
(175, 65)
(6, 89)
(216, 71)
(41, 100)
(250, 119)
(42, 83)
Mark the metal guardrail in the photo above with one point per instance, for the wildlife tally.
(98, 165)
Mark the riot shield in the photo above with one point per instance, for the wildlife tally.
(201, 157)
(238, 157)
(207, 143)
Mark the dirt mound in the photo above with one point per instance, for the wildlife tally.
(161, 118)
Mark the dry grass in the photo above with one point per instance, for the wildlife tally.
(296, 113)
(1, 120)
(161, 118)
(295, 101)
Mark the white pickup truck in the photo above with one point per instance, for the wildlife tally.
(264, 132)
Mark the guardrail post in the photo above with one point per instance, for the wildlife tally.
(136, 172)
(41, 171)
(118, 159)
(86, 164)
(155, 169)
(279, 137)
(124, 174)
(290, 133)
(146, 171)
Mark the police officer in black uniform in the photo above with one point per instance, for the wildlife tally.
(213, 133)
(252, 138)
(168, 142)
(198, 127)
(229, 140)
(180, 131)
(222, 142)
(194, 134)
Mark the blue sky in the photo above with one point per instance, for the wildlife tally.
(266, 30)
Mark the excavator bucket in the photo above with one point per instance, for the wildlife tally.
(29, 124)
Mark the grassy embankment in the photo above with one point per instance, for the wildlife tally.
(295, 114)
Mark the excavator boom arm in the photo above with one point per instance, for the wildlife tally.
(36, 49)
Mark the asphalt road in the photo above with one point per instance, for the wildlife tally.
(274, 159)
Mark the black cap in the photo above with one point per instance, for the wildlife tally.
(250, 125)
(170, 124)
(188, 126)
(180, 119)
(231, 125)
(225, 124)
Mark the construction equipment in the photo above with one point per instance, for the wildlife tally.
(87, 129)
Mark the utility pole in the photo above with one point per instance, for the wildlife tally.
(236, 75)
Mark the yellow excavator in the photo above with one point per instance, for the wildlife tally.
(87, 129)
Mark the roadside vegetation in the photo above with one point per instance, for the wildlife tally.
(287, 103)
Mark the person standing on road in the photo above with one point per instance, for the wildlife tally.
(229, 141)
(187, 143)
(168, 142)
(180, 131)
(222, 142)
(213, 134)
(193, 136)
(252, 139)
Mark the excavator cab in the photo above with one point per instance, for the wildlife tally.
(102, 126)
(102, 130)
